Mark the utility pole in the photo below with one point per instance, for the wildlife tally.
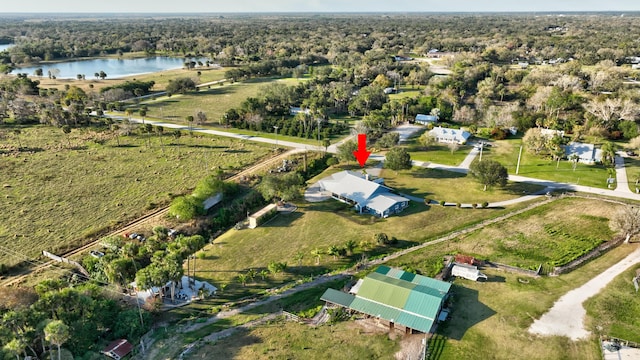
(276, 127)
(519, 156)
(481, 147)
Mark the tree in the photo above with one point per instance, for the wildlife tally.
(142, 113)
(242, 279)
(317, 253)
(201, 116)
(349, 246)
(427, 140)
(15, 347)
(389, 140)
(535, 141)
(489, 173)
(103, 75)
(190, 120)
(627, 220)
(345, 151)
(398, 159)
(608, 153)
(56, 332)
(381, 238)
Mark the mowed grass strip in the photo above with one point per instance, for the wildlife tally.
(452, 187)
(55, 196)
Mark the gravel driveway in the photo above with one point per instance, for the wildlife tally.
(566, 317)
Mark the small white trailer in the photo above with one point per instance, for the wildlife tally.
(468, 272)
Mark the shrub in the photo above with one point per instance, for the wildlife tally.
(332, 161)
(381, 238)
(442, 202)
(427, 201)
(458, 205)
(185, 208)
(485, 204)
(474, 205)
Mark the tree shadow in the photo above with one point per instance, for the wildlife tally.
(437, 174)
(467, 311)
(282, 220)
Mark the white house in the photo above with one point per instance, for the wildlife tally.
(549, 133)
(367, 196)
(587, 153)
(426, 119)
(447, 135)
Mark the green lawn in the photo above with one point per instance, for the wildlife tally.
(213, 102)
(439, 154)
(506, 153)
(318, 226)
(54, 196)
(451, 186)
(407, 91)
(616, 309)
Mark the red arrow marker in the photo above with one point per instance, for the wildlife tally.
(362, 154)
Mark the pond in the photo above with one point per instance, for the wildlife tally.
(4, 47)
(114, 68)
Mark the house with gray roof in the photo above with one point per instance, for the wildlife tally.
(450, 136)
(367, 196)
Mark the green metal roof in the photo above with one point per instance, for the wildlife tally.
(337, 297)
(442, 286)
(385, 290)
(375, 309)
(397, 296)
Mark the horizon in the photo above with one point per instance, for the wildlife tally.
(318, 6)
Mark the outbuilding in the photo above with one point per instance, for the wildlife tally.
(401, 299)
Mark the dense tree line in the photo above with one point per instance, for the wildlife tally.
(88, 314)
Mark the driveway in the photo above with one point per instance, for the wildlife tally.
(566, 317)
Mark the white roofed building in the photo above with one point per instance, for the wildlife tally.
(447, 135)
(367, 196)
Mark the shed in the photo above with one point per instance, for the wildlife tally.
(118, 349)
(261, 216)
(426, 119)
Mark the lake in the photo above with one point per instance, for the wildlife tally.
(4, 47)
(114, 68)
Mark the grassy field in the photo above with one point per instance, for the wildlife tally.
(289, 340)
(59, 190)
(506, 153)
(446, 185)
(406, 92)
(318, 226)
(161, 79)
(490, 319)
(616, 310)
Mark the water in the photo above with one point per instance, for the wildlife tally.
(5, 47)
(114, 68)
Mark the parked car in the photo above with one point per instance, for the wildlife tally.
(96, 254)
(133, 236)
(631, 153)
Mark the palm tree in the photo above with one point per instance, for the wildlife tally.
(57, 332)
(317, 253)
(333, 251)
(349, 246)
(242, 278)
(264, 273)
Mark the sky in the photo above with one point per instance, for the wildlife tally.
(226, 6)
